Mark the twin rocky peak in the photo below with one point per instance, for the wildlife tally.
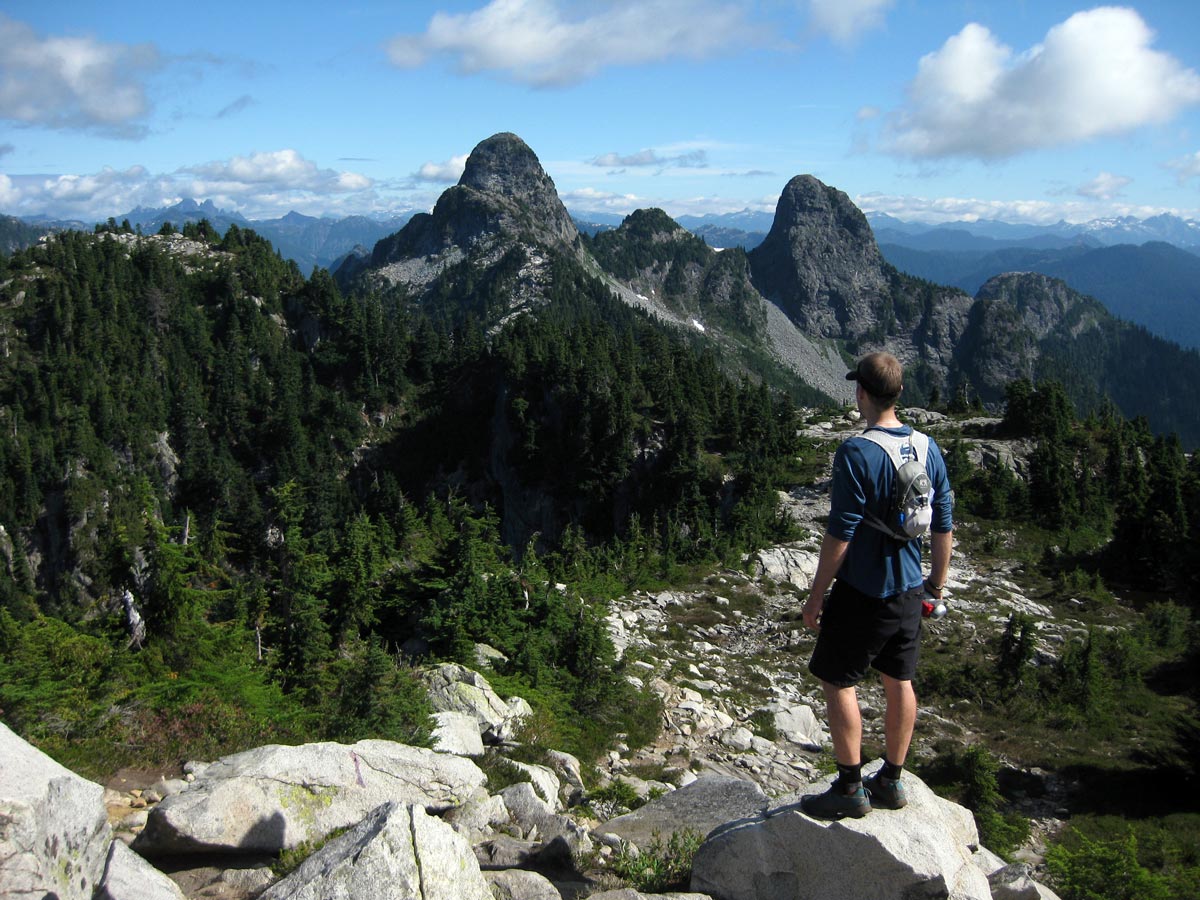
(819, 265)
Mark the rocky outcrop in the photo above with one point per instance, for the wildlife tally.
(820, 263)
(275, 797)
(455, 688)
(923, 850)
(396, 853)
(457, 733)
(667, 265)
(54, 833)
(517, 884)
(529, 846)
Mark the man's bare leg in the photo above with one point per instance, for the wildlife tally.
(845, 723)
(899, 720)
(846, 796)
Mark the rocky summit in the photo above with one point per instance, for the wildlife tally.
(820, 263)
(504, 207)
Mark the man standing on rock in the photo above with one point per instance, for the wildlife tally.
(872, 617)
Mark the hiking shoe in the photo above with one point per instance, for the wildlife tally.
(885, 793)
(836, 803)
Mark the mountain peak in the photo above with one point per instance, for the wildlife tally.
(820, 262)
(504, 164)
(504, 199)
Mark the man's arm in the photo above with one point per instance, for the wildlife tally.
(940, 545)
(833, 551)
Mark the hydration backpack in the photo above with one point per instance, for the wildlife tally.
(911, 511)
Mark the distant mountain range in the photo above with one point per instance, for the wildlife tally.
(1183, 233)
(1146, 271)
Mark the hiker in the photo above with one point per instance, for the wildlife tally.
(872, 617)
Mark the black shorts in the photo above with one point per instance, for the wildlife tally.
(860, 632)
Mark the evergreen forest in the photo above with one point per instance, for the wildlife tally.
(267, 489)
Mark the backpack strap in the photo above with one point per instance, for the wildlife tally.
(892, 445)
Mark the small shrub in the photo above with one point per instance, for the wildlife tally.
(1103, 870)
(290, 859)
(762, 723)
(660, 867)
(501, 772)
(618, 794)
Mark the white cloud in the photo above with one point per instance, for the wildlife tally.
(1186, 167)
(278, 169)
(73, 82)
(447, 172)
(938, 210)
(592, 200)
(539, 42)
(845, 20)
(585, 200)
(9, 194)
(1094, 74)
(1104, 186)
(258, 185)
(691, 159)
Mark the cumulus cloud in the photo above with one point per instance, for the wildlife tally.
(845, 20)
(9, 194)
(590, 200)
(73, 82)
(1186, 167)
(550, 43)
(260, 184)
(1094, 74)
(447, 172)
(1104, 186)
(279, 169)
(692, 159)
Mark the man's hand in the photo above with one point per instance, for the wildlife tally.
(812, 610)
(833, 551)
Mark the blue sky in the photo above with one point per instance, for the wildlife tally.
(1014, 110)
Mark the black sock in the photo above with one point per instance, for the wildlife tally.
(849, 777)
(891, 770)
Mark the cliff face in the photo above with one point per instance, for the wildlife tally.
(820, 263)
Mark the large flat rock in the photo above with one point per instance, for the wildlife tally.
(703, 805)
(923, 850)
(275, 797)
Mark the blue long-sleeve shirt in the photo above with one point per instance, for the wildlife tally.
(863, 478)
